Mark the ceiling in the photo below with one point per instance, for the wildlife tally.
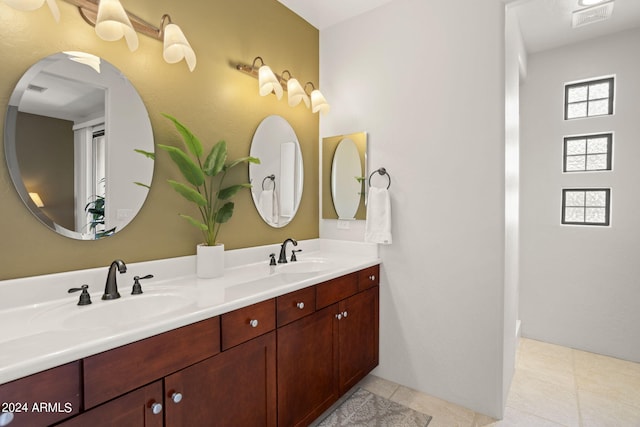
(545, 24)
(325, 13)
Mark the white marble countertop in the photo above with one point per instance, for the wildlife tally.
(43, 326)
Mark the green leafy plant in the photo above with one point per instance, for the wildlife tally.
(205, 180)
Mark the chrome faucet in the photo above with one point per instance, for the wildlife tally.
(282, 259)
(111, 287)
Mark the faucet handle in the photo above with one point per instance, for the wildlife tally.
(137, 289)
(273, 259)
(293, 254)
(85, 298)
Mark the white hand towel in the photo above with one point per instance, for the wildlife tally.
(275, 212)
(378, 225)
(266, 205)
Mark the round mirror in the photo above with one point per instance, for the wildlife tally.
(346, 179)
(71, 128)
(277, 180)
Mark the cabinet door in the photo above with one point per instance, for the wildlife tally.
(43, 398)
(139, 408)
(235, 388)
(307, 367)
(358, 337)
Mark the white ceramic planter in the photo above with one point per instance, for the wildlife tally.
(209, 261)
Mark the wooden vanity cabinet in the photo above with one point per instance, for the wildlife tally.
(321, 356)
(43, 398)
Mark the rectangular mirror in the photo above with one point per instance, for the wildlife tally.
(344, 176)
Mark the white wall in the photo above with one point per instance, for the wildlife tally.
(579, 285)
(425, 79)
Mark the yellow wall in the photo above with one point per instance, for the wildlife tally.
(215, 101)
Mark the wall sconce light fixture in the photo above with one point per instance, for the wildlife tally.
(112, 22)
(318, 103)
(269, 82)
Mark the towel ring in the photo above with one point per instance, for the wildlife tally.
(272, 177)
(381, 171)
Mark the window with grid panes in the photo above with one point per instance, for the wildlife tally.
(586, 206)
(588, 153)
(588, 99)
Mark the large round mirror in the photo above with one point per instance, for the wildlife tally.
(71, 128)
(277, 181)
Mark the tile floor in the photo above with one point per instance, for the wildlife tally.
(553, 386)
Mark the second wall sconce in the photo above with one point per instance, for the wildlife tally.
(269, 82)
(112, 22)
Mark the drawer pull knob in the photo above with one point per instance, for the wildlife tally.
(253, 323)
(176, 397)
(300, 305)
(344, 313)
(372, 277)
(339, 316)
(156, 408)
(6, 418)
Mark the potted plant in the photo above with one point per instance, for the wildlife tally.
(205, 187)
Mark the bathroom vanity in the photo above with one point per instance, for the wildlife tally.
(283, 355)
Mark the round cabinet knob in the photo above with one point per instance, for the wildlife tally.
(156, 408)
(344, 313)
(300, 305)
(6, 418)
(176, 397)
(372, 278)
(253, 323)
(339, 316)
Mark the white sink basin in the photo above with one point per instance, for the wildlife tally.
(125, 311)
(311, 265)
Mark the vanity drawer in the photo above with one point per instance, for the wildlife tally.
(296, 305)
(249, 322)
(115, 372)
(55, 394)
(335, 290)
(368, 277)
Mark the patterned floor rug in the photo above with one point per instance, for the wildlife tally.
(365, 409)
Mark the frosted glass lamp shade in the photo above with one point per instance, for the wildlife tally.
(113, 24)
(29, 5)
(296, 93)
(268, 82)
(319, 103)
(176, 47)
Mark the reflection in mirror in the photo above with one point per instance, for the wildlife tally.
(70, 132)
(277, 181)
(344, 176)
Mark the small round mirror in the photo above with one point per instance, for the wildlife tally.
(71, 128)
(346, 179)
(277, 181)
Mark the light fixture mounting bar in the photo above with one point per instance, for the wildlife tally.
(89, 11)
(253, 72)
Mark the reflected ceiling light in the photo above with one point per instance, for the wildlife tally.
(113, 23)
(35, 197)
(318, 102)
(85, 58)
(29, 5)
(590, 2)
(176, 46)
(296, 92)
